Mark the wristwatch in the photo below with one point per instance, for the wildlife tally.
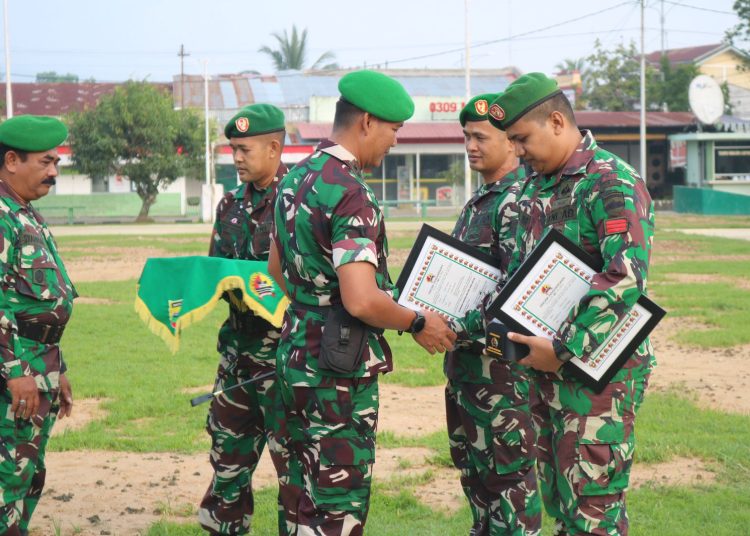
(417, 324)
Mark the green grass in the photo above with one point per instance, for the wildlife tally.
(672, 220)
(721, 305)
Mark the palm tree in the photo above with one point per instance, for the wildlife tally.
(568, 66)
(291, 52)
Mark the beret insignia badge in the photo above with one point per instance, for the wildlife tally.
(497, 112)
(481, 107)
(242, 124)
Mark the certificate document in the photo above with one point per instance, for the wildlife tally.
(445, 275)
(550, 282)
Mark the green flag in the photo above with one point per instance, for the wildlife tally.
(174, 292)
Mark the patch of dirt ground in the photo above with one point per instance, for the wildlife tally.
(718, 377)
(111, 264)
(399, 404)
(84, 411)
(95, 492)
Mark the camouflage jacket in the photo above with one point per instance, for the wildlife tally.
(487, 222)
(35, 289)
(242, 230)
(599, 202)
(326, 216)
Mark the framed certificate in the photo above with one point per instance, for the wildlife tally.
(536, 300)
(445, 275)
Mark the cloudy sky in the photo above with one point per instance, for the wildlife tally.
(113, 40)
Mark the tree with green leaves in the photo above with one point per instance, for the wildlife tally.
(136, 133)
(671, 86)
(612, 79)
(612, 82)
(291, 52)
(47, 77)
(740, 32)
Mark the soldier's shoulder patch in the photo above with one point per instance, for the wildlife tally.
(615, 226)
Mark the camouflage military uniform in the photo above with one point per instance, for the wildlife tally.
(35, 289)
(586, 440)
(240, 421)
(487, 399)
(327, 216)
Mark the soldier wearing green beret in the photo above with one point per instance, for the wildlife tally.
(241, 421)
(329, 253)
(487, 399)
(36, 300)
(586, 440)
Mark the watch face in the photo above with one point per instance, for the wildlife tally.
(419, 323)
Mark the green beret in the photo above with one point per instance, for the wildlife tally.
(378, 94)
(477, 108)
(525, 93)
(254, 120)
(33, 133)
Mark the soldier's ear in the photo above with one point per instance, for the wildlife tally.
(367, 122)
(557, 121)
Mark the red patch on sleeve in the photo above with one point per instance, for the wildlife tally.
(615, 226)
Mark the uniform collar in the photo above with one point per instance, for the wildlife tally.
(584, 153)
(7, 192)
(272, 185)
(339, 152)
(500, 185)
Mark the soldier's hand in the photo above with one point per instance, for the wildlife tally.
(66, 397)
(25, 396)
(436, 335)
(541, 355)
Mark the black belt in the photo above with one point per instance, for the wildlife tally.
(323, 311)
(248, 323)
(36, 331)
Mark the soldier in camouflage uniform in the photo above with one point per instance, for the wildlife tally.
(586, 440)
(240, 421)
(329, 251)
(487, 399)
(36, 300)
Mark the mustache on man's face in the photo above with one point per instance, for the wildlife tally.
(51, 181)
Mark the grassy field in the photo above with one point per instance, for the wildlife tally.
(112, 355)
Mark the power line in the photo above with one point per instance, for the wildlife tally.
(485, 43)
(680, 4)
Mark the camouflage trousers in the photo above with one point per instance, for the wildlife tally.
(240, 422)
(326, 490)
(585, 450)
(22, 470)
(492, 443)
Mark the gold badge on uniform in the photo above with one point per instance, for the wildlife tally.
(481, 107)
(497, 112)
(242, 124)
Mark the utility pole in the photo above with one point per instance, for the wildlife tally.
(661, 16)
(182, 54)
(8, 85)
(467, 81)
(643, 92)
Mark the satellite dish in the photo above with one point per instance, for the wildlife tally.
(706, 99)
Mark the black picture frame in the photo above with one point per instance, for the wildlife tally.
(553, 236)
(427, 231)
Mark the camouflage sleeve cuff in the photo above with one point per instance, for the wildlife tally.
(354, 250)
(11, 370)
(561, 351)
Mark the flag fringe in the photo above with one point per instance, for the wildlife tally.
(231, 282)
